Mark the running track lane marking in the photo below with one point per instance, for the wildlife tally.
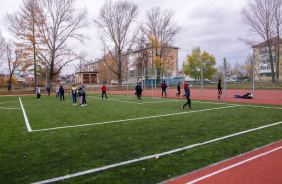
(133, 119)
(150, 156)
(25, 117)
(229, 167)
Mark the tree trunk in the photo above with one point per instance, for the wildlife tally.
(278, 59)
(271, 62)
(10, 82)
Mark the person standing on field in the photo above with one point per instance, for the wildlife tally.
(57, 92)
(62, 93)
(219, 89)
(103, 89)
(187, 94)
(73, 91)
(38, 92)
(164, 86)
(80, 94)
(139, 91)
(83, 95)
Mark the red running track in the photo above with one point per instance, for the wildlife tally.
(265, 169)
(273, 97)
(243, 169)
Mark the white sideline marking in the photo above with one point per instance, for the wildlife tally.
(25, 117)
(8, 108)
(133, 119)
(150, 156)
(229, 167)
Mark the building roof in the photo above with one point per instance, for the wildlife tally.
(145, 48)
(272, 41)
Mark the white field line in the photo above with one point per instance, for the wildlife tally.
(133, 119)
(229, 167)
(8, 108)
(150, 156)
(132, 102)
(8, 102)
(263, 107)
(25, 117)
(165, 101)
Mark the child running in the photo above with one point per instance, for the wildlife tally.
(219, 89)
(178, 89)
(187, 94)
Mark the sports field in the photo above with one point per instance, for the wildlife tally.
(123, 139)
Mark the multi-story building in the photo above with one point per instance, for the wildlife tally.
(262, 59)
(88, 73)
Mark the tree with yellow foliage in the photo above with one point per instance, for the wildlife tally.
(161, 30)
(105, 66)
(192, 65)
(24, 26)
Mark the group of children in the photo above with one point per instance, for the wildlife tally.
(76, 92)
(81, 92)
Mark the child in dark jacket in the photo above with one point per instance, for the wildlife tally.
(83, 95)
(80, 94)
(178, 89)
(62, 93)
(187, 94)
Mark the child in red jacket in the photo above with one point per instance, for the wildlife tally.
(103, 89)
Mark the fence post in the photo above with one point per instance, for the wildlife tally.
(253, 67)
(202, 78)
(127, 83)
(224, 75)
(156, 75)
(167, 79)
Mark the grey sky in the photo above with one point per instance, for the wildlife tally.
(212, 25)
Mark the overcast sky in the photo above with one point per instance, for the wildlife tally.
(213, 25)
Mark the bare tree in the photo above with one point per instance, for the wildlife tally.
(259, 15)
(60, 24)
(142, 54)
(161, 30)
(115, 23)
(2, 48)
(14, 57)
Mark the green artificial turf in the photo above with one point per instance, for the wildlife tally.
(95, 136)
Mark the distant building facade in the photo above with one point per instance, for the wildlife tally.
(262, 59)
(88, 73)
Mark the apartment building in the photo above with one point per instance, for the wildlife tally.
(262, 59)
